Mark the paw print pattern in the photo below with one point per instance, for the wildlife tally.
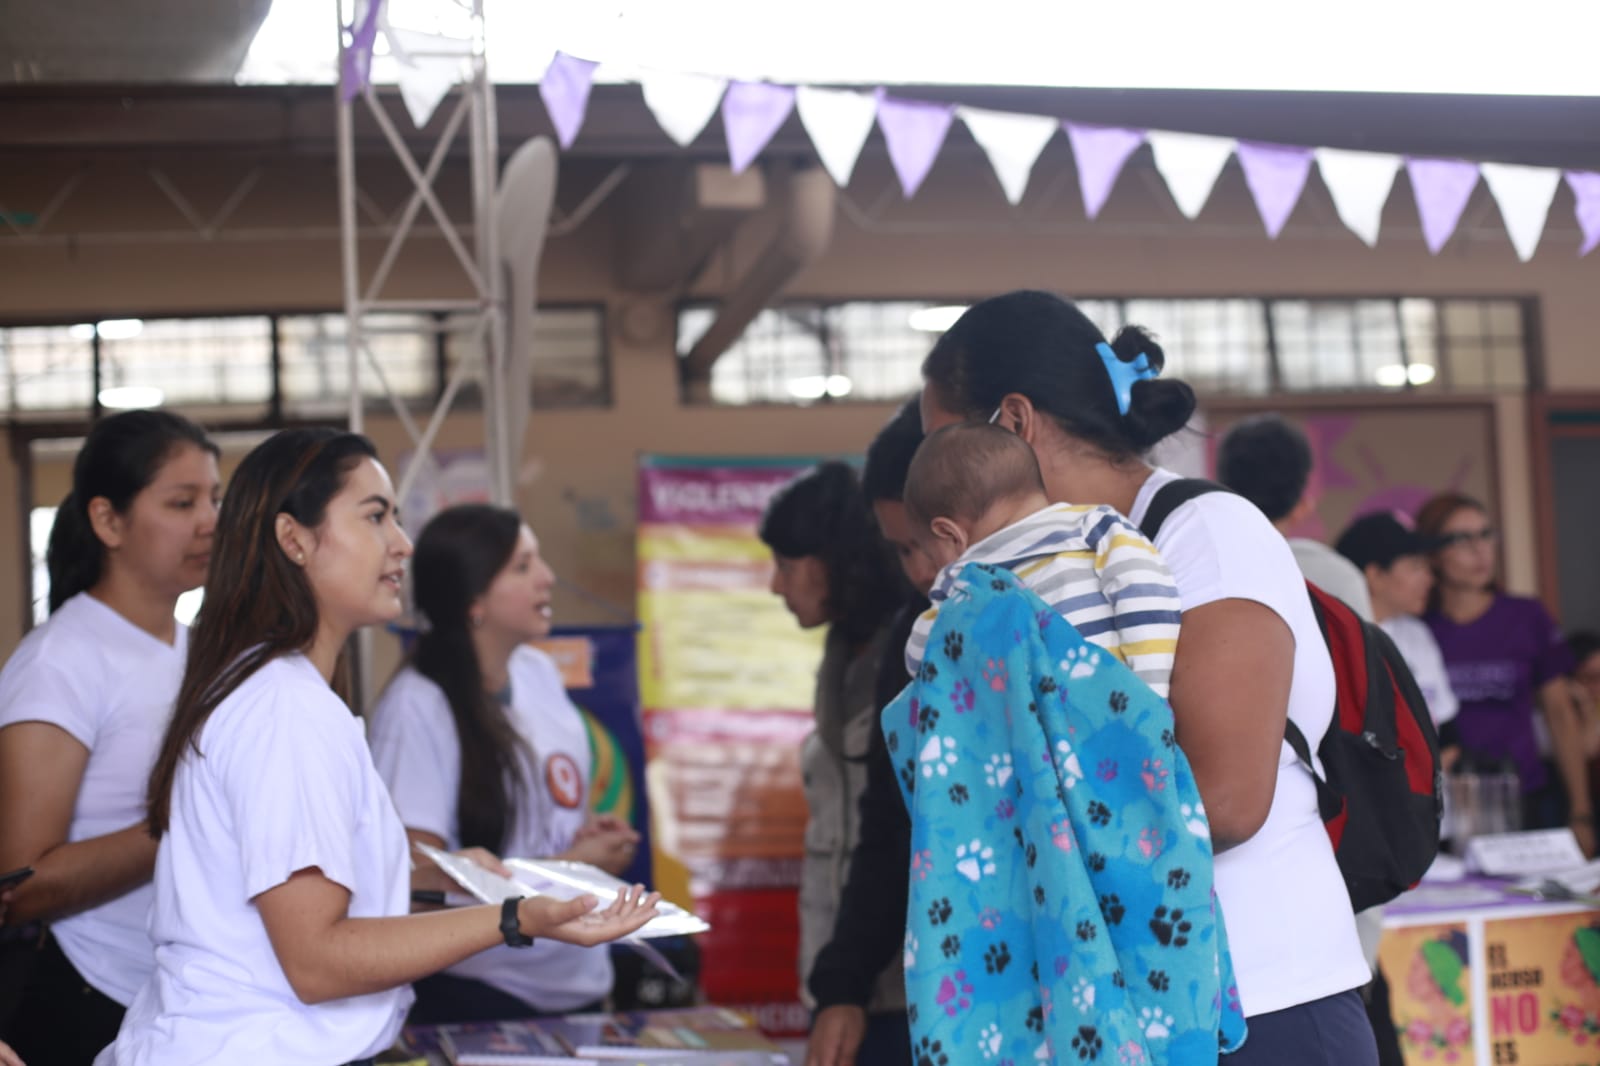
(953, 644)
(929, 672)
(1152, 842)
(959, 795)
(1099, 813)
(1080, 662)
(1154, 775)
(1047, 685)
(937, 756)
(1131, 1054)
(1036, 1020)
(975, 861)
(989, 1041)
(1107, 770)
(951, 946)
(1005, 808)
(1067, 759)
(908, 774)
(1194, 819)
(955, 994)
(1177, 877)
(1170, 927)
(1097, 862)
(1169, 739)
(1155, 1023)
(1118, 702)
(1087, 1043)
(997, 957)
(995, 672)
(1030, 854)
(921, 865)
(894, 743)
(1038, 895)
(1061, 835)
(927, 719)
(931, 1053)
(990, 918)
(939, 911)
(1111, 909)
(1083, 995)
(1086, 931)
(1118, 980)
(998, 770)
(962, 697)
(1159, 980)
(910, 953)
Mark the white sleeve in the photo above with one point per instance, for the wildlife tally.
(1220, 547)
(418, 755)
(1442, 703)
(293, 777)
(37, 687)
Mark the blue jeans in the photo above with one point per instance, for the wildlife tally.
(1333, 1031)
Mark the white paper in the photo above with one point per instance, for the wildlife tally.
(1191, 164)
(838, 122)
(1360, 183)
(1012, 142)
(1524, 195)
(1542, 851)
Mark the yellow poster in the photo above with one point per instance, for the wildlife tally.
(1430, 991)
(1544, 989)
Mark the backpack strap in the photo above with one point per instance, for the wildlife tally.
(1170, 497)
(1329, 802)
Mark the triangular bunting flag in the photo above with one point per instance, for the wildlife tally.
(1524, 195)
(1191, 164)
(355, 74)
(1586, 190)
(1101, 153)
(1012, 142)
(838, 122)
(914, 131)
(681, 103)
(752, 111)
(425, 79)
(565, 90)
(1359, 183)
(1276, 174)
(1442, 188)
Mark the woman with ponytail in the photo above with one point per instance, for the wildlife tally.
(482, 750)
(84, 701)
(1250, 657)
(282, 884)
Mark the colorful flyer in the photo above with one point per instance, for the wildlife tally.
(1430, 991)
(1544, 989)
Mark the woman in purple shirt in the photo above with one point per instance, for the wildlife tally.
(1507, 660)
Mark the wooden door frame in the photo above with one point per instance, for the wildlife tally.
(1543, 410)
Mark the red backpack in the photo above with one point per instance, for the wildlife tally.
(1384, 788)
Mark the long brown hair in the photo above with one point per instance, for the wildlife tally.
(258, 604)
(1430, 524)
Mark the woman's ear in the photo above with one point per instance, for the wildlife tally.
(106, 522)
(1018, 415)
(292, 537)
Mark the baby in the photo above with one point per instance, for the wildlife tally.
(974, 494)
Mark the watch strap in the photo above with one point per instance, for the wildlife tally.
(510, 927)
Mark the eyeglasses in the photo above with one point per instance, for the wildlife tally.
(1468, 536)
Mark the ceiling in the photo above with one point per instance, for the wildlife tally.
(126, 41)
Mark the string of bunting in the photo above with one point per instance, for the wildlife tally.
(839, 121)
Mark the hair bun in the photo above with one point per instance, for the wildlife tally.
(1134, 341)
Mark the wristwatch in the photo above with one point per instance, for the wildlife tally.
(510, 928)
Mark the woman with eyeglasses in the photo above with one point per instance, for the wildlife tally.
(1508, 663)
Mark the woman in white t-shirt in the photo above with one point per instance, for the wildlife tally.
(481, 749)
(84, 701)
(1250, 658)
(282, 884)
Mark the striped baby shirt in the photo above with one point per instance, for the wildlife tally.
(1099, 573)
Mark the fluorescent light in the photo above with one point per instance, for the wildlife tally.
(119, 329)
(1420, 373)
(83, 331)
(839, 385)
(816, 386)
(1391, 376)
(123, 397)
(935, 319)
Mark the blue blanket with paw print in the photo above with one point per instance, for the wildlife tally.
(1061, 904)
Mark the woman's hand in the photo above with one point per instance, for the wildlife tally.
(604, 841)
(7, 1056)
(575, 921)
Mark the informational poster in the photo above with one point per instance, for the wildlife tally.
(1544, 989)
(1429, 968)
(727, 680)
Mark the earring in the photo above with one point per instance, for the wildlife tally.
(300, 557)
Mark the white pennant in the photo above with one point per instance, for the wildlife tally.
(838, 122)
(1524, 195)
(1359, 183)
(681, 103)
(1191, 164)
(1013, 143)
(425, 80)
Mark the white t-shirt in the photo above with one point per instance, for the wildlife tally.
(283, 782)
(418, 753)
(1290, 926)
(110, 685)
(1421, 652)
(1333, 574)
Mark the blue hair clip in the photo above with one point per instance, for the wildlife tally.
(1123, 374)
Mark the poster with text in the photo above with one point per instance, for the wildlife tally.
(727, 679)
(1430, 991)
(1544, 989)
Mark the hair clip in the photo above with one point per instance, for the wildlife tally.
(1123, 374)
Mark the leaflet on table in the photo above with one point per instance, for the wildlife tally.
(506, 1044)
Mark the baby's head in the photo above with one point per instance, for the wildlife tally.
(968, 481)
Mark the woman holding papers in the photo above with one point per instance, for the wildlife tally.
(482, 750)
(282, 883)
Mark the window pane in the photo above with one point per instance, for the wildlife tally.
(191, 360)
(570, 364)
(48, 368)
(878, 349)
(781, 357)
(1215, 345)
(315, 375)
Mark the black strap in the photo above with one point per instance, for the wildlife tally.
(1170, 497)
(1328, 801)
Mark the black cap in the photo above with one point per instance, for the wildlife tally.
(1380, 538)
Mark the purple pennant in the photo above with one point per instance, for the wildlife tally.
(752, 112)
(914, 131)
(565, 90)
(1442, 188)
(1276, 174)
(1586, 190)
(355, 74)
(1101, 152)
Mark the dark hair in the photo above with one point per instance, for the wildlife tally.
(456, 559)
(119, 459)
(1430, 524)
(1268, 462)
(823, 514)
(258, 604)
(964, 468)
(1043, 347)
(883, 476)
(1582, 644)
